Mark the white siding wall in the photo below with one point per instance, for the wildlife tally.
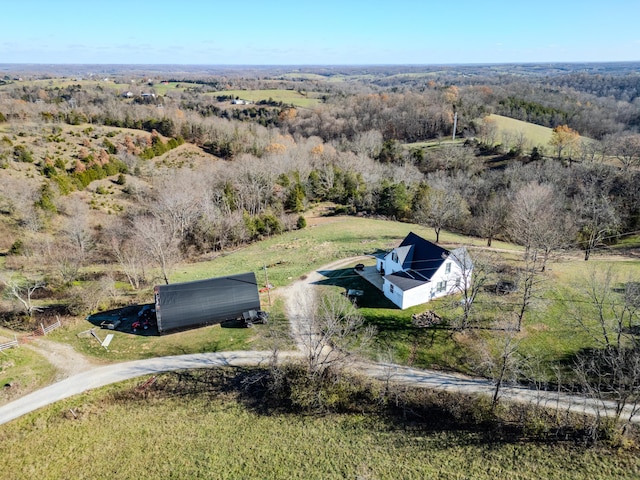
(426, 292)
(390, 266)
(454, 274)
(416, 296)
(396, 296)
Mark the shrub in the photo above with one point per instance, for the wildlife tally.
(109, 147)
(17, 248)
(22, 154)
(46, 201)
(302, 222)
(49, 171)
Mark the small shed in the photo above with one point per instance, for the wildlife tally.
(205, 302)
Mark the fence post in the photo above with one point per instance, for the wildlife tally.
(44, 332)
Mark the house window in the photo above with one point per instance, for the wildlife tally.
(457, 282)
(441, 286)
(391, 287)
(447, 267)
(394, 257)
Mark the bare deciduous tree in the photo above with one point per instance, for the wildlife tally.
(475, 275)
(160, 242)
(493, 216)
(610, 315)
(538, 222)
(23, 290)
(500, 359)
(179, 199)
(130, 254)
(627, 150)
(335, 330)
(76, 225)
(596, 218)
(440, 207)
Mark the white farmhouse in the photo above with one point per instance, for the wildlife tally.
(417, 271)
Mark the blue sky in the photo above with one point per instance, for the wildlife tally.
(284, 32)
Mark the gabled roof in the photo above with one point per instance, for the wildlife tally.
(426, 257)
(462, 258)
(405, 255)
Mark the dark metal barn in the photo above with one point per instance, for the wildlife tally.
(204, 302)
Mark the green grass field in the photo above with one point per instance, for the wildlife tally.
(114, 433)
(290, 97)
(536, 135)
(23, 369)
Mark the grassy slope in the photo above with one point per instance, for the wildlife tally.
(103, 435)
(536, 134)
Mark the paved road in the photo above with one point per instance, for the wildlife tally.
(297, 301)
(108, 374)
(101, 376)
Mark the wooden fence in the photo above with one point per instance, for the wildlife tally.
(51, 327)
(12, 343)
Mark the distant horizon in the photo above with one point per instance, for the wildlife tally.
(336, 33)
(316, 65)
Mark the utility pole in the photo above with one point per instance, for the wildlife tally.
(267, 286)
(455, 123)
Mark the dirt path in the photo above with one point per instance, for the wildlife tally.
(63, 357)
(298, 298)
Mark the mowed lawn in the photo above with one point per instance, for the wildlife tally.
(112, 433)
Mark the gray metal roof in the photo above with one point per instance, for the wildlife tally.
(406, 280)
(426, 256)
(182, 305)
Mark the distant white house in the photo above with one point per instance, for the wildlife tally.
(418, 271)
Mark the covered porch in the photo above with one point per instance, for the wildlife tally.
(371, 275)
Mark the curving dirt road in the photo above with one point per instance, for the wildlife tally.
(297, 297)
